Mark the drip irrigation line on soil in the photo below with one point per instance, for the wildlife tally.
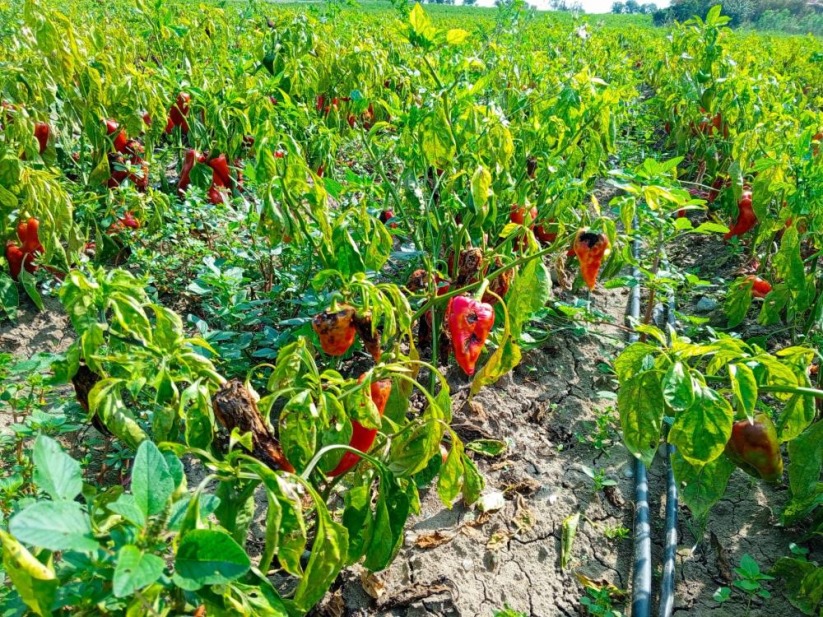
(670, 549)
(642, 575)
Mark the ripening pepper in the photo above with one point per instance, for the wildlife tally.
(590, 249)
(121, 139)
(178, 113)
(470, 322)
(546, 232)
(191, 158)
(15, 257)
(760, 287)
(22, 254)
(28, 232)
(41, 133)
(746, 218)
(518, 215)
(755, 449)
(362, 438)
(335, 329)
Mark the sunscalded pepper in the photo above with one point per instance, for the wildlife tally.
(746, 218)
(362, 438)
(590, 249)
(371, 337)
(470, 322)
(335, 329)
(754, 448)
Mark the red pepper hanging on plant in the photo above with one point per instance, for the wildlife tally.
(590, 249)
(22, 254)
(746, 218)
(470, 322)
(362, 438)
(335, 329)
(754, 448)
(760, 287)
(41, 133)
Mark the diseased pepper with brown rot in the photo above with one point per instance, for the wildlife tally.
(335, 328)
(755, 449)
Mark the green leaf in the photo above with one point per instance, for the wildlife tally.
(798, 414)
(135, 569)
(504, 359)
(473, 482)
(530, 291)
(35, 582)
(386, 535)
(480, 186)
(209, 557)
(9, 298)
(412, 449)
(105, 401)
(56, 472)
(702, 431)
(455, 36)
(738, 301)
(744, 387)
(357, 519)
(126, 507)
(805, 464)
(421, 27)
(450, 480)
(30, 285)
(298, 429)
(488, 447)
(569, 532)
(437, 140)
(54, 525)
(678, 390)
(641, 405)
(701, 486)
(151, 480)
(328, 555)
(633, 359)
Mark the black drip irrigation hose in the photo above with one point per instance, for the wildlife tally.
(670, 549)
(642, 574)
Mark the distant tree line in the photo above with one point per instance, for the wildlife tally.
(792, 15)
(632, 7)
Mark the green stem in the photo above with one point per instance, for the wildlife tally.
(339, 446)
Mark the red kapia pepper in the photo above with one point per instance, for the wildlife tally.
(178, 113)
(191, 159)
(760, 287)
(754, 448)
(23, 254)
(745, 216)
(470, 322)
(362, 438)
(121, 140)
(41, 133)
(335, 328)
(590, 249)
